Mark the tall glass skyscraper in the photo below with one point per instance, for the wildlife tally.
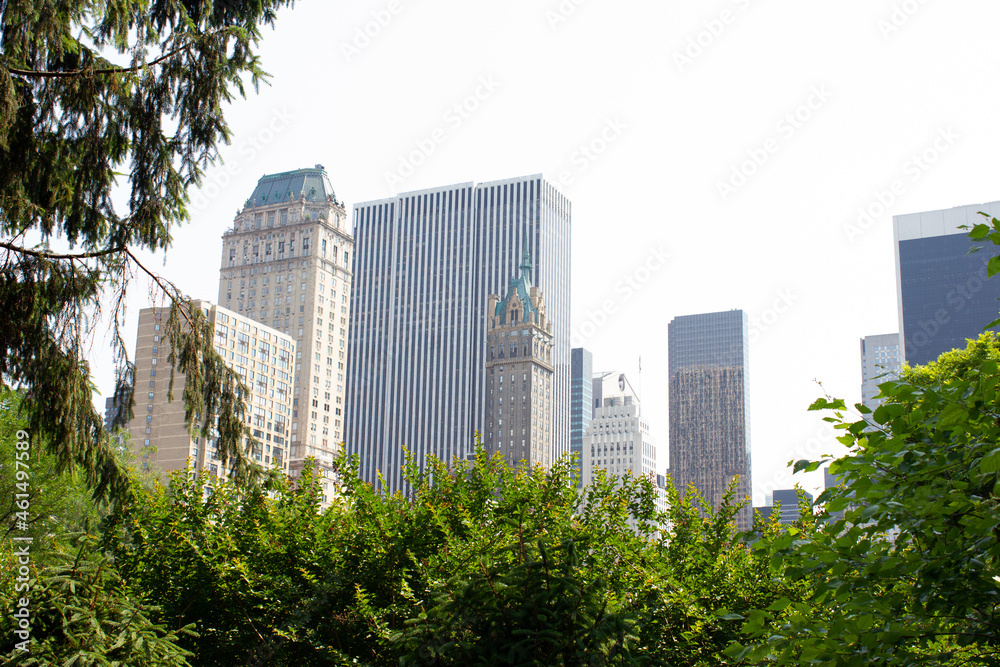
(943, 293)
(425, 265)
(709, 411)
(581, 402)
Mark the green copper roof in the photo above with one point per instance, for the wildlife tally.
(312, 184)
(522, 285)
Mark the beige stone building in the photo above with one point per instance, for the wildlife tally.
(262, 356)
(520, 374)
(286, 263)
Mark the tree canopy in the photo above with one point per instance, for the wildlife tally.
(904, 561)
(480, 564)
(96, 98)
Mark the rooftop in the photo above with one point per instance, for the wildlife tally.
(308, 184)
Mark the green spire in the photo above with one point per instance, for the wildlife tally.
(526, 263)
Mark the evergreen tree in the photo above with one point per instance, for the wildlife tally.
(99, 95)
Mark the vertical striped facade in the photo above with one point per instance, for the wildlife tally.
(425, 265)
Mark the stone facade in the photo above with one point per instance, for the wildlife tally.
(286, 263)
(520, 375)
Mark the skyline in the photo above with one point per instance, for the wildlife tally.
(598, 103)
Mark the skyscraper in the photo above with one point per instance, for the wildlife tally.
(426, 263)
(618, 438)
(881, 360)
(788, 499)
(286, 263)
(581, 409)
(709, 411)
(943, 294)
(261, 356)
(519, 347)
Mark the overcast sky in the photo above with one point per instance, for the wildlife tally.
(716, 155)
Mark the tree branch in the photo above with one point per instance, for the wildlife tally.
(159, 283)
(107, 70)
(54, 255)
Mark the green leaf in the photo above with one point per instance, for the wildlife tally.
(731, 617)
(990, 464)
(779, 605)
(823, 404)
(979, 232)
(805, 466)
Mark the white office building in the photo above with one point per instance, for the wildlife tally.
(618, 440)
(881, 359)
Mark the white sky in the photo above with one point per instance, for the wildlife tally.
(555, 77)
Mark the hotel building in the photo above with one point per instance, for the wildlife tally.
(286, 263)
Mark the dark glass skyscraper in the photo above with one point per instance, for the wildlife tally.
(425, 265)
(581, 401)
(709, 410)
(943, 292)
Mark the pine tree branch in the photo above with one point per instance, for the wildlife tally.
(98, 253)
(156, 279)
(106, 70)
(54, 255)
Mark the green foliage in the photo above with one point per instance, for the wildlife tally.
(478, 564)
(51, 503)
(910, 574)
(231, 560)
(89, 92)
(955, 363)
(706, 582)
(83, 615)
